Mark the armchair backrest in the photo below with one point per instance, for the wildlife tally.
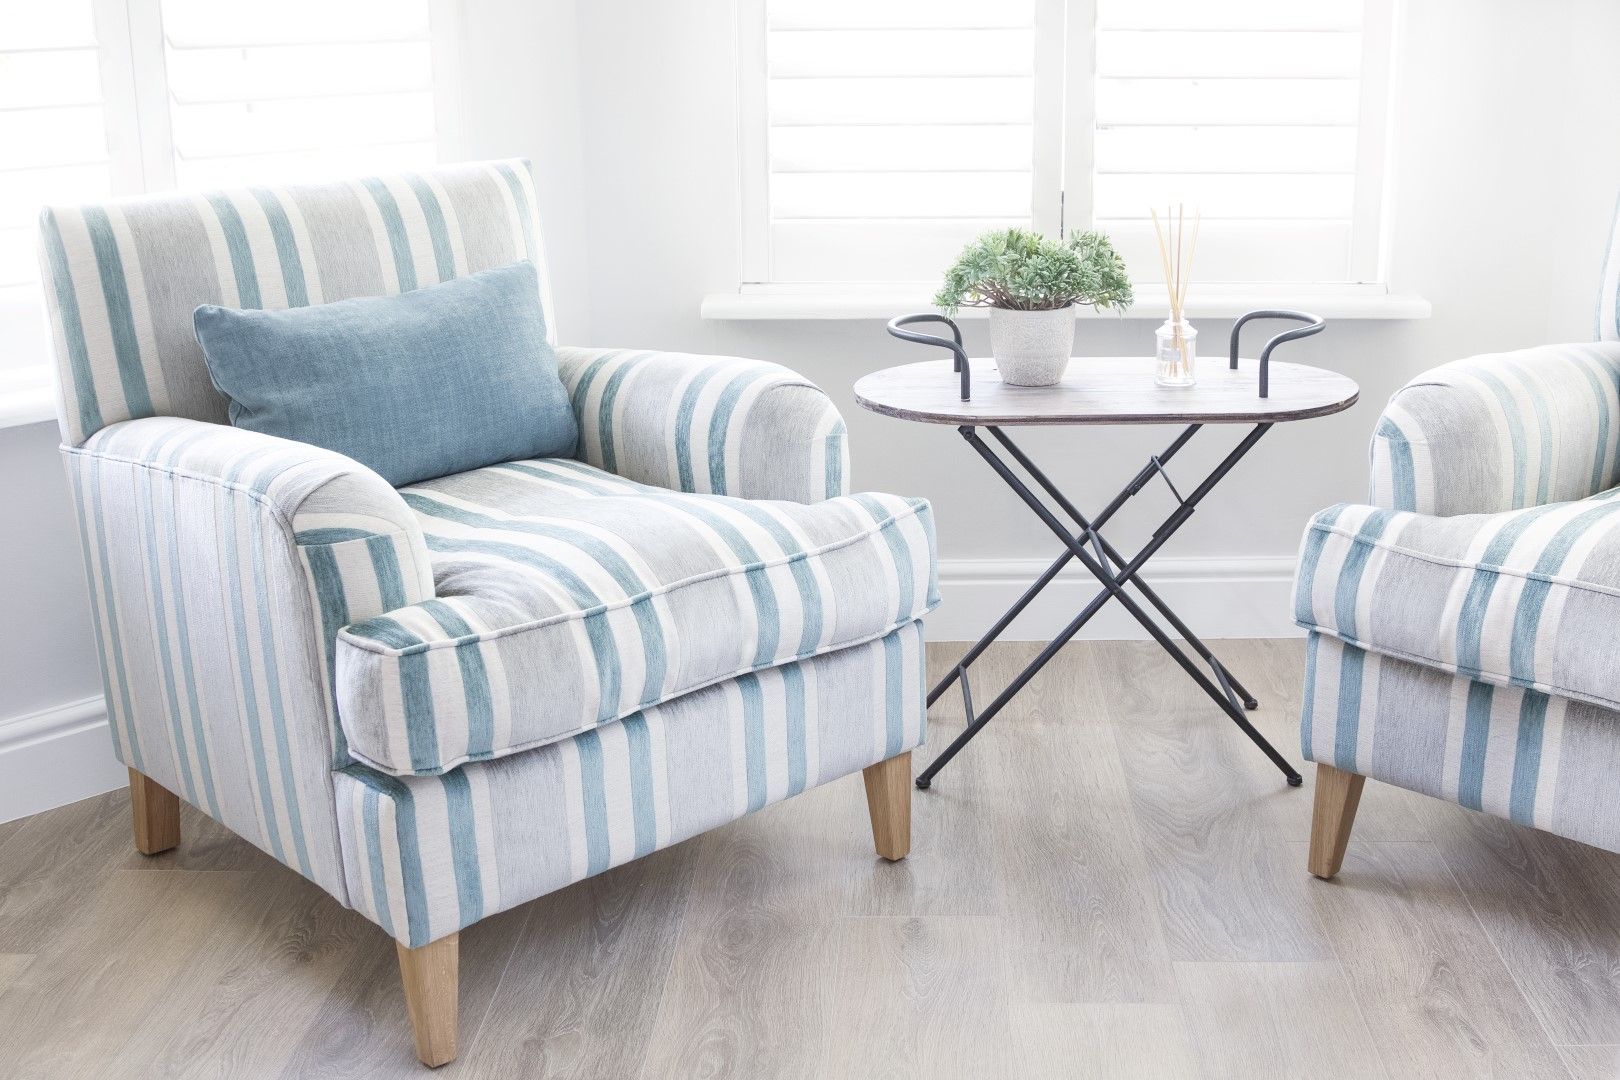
(122, 278)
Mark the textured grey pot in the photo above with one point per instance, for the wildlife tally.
(1031, 347)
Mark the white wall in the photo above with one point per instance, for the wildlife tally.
(53, 739)
(1506, 179)
(47, 655)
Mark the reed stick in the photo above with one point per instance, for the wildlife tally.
(1164, 252)
(1192, 249)
(1176, 256)
(1175, 290)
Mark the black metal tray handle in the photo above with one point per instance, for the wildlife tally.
(1317, 325)
(897, 328)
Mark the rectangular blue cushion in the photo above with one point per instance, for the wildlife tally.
(428, 383)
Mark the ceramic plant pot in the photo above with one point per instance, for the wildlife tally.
(1031, 347)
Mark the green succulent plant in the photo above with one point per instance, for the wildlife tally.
(1025, 271)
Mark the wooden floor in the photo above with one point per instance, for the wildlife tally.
(1109, 883)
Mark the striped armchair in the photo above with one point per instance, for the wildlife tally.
(443, 701)
(1464, 629)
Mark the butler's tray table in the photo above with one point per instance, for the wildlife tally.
(1103, 390)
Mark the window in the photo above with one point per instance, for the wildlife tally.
(114, 97)
(879, 137)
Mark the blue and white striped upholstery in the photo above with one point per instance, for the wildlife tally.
(221, 563)
(1528, 598)
(1502, 432)
(427, 855)
(1535, 758)
(1462, 628)
(568, 598)
(122, 278)
(721, 426)
(239, 582)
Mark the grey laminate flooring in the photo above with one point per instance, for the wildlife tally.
(1109, 883)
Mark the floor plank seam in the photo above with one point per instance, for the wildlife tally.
(1361, 1011)
(1496, 949)
(517, 943)
(924, 915)
(675, 948)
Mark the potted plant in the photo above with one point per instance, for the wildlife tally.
(1031, 284)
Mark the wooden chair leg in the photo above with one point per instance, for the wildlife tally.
(156, 810)
(431, 975)
(888, 800)
(1338, 793)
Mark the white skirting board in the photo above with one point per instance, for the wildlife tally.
(1216, 598)
(56, 756)
(60, 755)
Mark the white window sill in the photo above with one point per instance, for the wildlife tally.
(794, 302)
(27, 396)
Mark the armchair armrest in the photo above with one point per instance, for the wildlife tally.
(1502, 432)
(706, 424)
(221, 564)
(204, 508)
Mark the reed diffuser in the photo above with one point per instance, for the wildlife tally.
(1177, 351)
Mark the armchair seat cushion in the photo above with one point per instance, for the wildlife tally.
(1528, 598)
(569, 598)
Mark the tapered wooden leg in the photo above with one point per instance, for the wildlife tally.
(888, 800)
(431, 975)
(157, 814)
(1338, 793)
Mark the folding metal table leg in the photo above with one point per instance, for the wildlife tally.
(990, 636)
(1093, 529)
(1114, 588)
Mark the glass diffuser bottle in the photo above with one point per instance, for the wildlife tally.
(1176, 354)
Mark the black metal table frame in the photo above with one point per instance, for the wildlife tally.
(1101, 558)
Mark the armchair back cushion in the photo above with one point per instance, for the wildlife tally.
(123, 278)
(441, 380)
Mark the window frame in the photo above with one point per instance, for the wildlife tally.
(1062, 196)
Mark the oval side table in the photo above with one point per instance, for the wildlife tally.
(1105, 390)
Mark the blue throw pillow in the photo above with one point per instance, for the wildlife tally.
(428, 383)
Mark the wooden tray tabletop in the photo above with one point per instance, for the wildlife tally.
(1107, 390)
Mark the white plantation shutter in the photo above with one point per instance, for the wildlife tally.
(1254, 111)
(53, 147)
(894, 132)
(298, 89)
(888, 132)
